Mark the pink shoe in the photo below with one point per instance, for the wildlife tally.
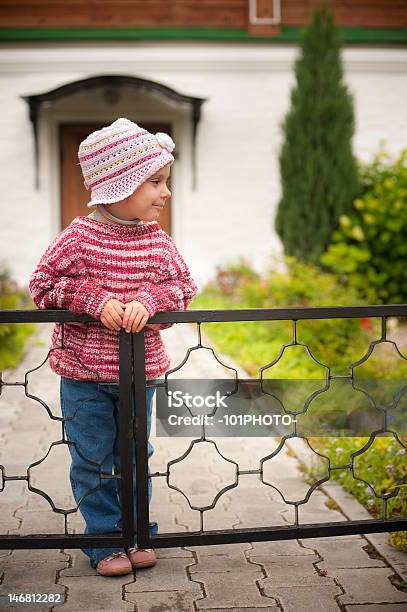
(141, 557)
(116, 564)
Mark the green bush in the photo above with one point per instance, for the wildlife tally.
(369, 249)
(13, 336)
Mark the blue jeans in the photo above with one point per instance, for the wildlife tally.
(91, 413)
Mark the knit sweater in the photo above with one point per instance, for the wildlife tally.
(89, 263)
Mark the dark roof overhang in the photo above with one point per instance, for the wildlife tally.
(114, 82)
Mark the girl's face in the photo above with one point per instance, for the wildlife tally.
(147, 201)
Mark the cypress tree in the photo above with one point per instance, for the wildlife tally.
(318, 170)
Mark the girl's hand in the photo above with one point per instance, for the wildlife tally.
(135, 316)
(112, 314)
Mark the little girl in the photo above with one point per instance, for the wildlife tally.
(119, 266)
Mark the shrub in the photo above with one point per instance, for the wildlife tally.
(369, 249)
(13, 336)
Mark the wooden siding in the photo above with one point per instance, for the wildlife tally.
(191, 13)
(124, 13)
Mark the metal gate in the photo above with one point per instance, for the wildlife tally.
(267, 532)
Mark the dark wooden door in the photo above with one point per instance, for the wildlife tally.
(74, 195)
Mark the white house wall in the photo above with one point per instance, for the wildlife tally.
(247, 87)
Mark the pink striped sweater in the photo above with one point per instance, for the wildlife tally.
(90, 262)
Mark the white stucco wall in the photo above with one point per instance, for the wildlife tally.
(247, 89)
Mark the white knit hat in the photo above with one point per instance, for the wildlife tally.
(119, 158)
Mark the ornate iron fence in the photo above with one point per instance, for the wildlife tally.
(133, 385)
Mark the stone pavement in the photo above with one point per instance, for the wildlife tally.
(352, 573)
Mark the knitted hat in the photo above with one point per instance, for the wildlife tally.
(117, 159)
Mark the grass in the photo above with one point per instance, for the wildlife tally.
(377, 474)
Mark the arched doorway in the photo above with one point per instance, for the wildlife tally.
(80, 107)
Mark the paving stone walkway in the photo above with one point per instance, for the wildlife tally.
(352, 573)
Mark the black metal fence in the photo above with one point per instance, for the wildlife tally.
(133, 385)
